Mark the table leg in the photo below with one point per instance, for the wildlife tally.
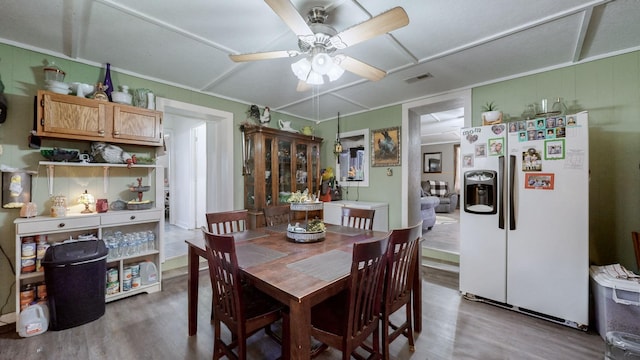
(192, 292)
(300, 325)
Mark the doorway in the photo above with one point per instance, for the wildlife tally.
(412, 154)
(196, 178)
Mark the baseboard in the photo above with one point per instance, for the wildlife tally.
(9, 318)
(441, 265)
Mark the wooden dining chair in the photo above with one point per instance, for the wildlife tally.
(241, 307)
(344, 321)
(277, 214)
(358, 218)
(401, 257)
(225, 222)
(635, 236)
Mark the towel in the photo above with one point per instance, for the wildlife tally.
(619, 272)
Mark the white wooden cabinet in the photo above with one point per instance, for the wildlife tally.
(59, 229)
(333, 212)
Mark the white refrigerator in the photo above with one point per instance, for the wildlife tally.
(524, 216)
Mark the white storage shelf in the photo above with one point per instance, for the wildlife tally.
(60, 228)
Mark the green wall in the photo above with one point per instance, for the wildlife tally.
(382, 188)
(22, 75)
(609, 89)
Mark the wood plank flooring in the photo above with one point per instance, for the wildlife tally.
(154, 326)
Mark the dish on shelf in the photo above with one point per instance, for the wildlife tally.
(140, 188)
(136, 205)
(118, 205)
(56, 154)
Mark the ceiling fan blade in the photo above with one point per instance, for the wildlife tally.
(289, 14)
(303, 86)
(264, 55)
(377, 25)
(359, 68)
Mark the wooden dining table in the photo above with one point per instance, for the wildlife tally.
(299, 275)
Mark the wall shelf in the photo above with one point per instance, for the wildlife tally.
(105, 166)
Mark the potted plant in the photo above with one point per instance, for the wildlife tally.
(490, 114)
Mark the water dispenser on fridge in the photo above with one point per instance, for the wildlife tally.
(480, 192)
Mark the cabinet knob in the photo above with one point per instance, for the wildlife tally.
(61, 225)
(133, 217)
(116, 133)
(101, 132)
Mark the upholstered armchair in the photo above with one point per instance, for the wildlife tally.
(448, 200)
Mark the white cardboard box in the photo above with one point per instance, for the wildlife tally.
(616, 303)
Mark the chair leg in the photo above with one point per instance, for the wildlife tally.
(409, 331)
(385, 336)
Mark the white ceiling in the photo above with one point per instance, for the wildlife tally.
(461, 43)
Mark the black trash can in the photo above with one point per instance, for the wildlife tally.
(75, 275)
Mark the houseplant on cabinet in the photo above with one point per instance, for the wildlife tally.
(490, 114)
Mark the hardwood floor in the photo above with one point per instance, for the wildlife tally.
(154, 326)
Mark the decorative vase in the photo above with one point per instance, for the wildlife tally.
(108, 85)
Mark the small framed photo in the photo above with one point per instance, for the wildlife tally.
(539, 181)
(531, 160)
(554, 149)
(467, 160)
(496, 146)
(481, 150)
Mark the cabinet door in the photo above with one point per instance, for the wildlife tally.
(139, 125)
(71, 117)
(286, 172)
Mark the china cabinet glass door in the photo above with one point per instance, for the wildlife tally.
(284, 166)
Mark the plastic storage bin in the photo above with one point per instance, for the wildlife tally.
(622, 346)
(75, 275)
(616, 303)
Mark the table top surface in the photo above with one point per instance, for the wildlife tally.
(296, 271)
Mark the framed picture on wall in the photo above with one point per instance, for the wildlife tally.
(432, 162)
(385, 146)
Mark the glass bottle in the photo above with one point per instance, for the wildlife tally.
(559, 107)
(108, 85)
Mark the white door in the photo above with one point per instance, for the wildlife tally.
(548, 268)
(482, 243)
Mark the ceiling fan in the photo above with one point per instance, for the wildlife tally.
(318, 41)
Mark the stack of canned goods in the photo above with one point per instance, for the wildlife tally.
(128, 244)
(131, 279)
(32, 293)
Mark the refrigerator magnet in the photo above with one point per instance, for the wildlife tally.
(539, 181)
(554, 149)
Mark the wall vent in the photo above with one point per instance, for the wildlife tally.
(418, 78)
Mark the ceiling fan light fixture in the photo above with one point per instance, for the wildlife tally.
(335, 72)
(314, 78)
(301, 69)
(321, 63)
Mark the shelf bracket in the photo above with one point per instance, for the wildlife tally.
(105, 179)
(50, 176)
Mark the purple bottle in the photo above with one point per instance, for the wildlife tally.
(108, 86)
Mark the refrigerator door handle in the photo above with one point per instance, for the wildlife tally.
(512, 190)
(501, 192)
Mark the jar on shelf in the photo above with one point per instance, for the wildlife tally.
(559, 107)
(59, 206)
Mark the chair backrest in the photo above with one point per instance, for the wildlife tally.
(275, 215)
(225, 280)
(635, 236)
(365, 291)
(225, 222)
(401, 257)
(358, 218)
